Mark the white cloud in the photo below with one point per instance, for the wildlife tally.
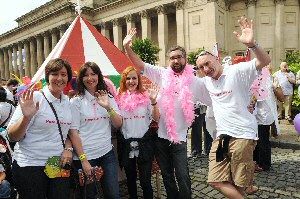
(12, 9)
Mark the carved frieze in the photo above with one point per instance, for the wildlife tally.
(179, 4)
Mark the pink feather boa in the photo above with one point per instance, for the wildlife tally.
(184, 97)
(129, 101)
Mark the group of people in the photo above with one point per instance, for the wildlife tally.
(47, 124)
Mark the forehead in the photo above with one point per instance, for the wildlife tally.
(202, 59)
(175, 53)
(132, 73)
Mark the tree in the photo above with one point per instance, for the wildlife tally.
(146, 50)
(192, 56)
(293, 61)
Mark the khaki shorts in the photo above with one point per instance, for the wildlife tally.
(239, 168)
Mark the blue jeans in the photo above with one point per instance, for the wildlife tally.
(109, 180)
(172, 157)
(5, 189)
(32, 183)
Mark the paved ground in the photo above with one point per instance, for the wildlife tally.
(282, 181)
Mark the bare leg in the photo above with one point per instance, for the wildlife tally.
(228, 190)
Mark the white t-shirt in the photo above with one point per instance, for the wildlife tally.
(287, 87)
(230, 98)
(136, 123)
(9, 95)
(197, 88)
(4, 112)
(93, 123)
(265, 113)
(42, 139)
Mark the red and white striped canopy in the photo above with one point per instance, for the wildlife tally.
(81, 43)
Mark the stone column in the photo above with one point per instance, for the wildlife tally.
(279, 26)
(33, 60)
(251, 11)
(62, 30)
(40, 53)
(10, 64)
(117, 30)
(15, 62)
(21, 64)
(27, 58)
(130, 22)
(46, 44)
(2, 70)
(180, 22)
(54, 37)
(146, 24)
(162, 34)
(104, 30)
(6, 65)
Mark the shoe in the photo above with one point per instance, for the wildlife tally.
(251, 190)
(259, 169)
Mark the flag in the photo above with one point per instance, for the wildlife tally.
(216, 50)
(248, 55)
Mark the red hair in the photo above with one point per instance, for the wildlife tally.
(239, 59)
(123, 88)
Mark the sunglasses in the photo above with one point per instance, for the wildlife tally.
(204, 52)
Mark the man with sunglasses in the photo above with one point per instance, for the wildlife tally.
(231, 155)
(179, 90)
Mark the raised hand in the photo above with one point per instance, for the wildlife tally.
(29, 109)
(127, 42)
(153, 93)
(247, 34)
(102, 99)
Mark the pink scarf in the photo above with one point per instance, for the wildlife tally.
(129, 101)
(184, 97)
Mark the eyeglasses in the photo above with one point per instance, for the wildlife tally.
(204, 52)
(177, 57)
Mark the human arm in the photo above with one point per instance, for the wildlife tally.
(247, 38)
(127, 42)
(67, 154)
(102, 100)
(2, 176)
(17, 130)
(77, 145)
(153, 92)
(291, 78)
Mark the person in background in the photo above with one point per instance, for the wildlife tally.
(286, 80)
(10, 87)
(138, 108)
(94, 110)
(34, 127)
(231, 155)
(6, 109)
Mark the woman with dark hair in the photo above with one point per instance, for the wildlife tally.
(34, 126)
(138, 108)
(94, 110)
(6, 109)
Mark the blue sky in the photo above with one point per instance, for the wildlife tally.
(12, 9)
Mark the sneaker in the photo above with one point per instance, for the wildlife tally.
(259, 169)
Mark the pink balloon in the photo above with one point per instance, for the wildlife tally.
(297, 123)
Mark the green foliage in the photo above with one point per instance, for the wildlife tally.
(146, 50)
(293, 61)
(192, 56)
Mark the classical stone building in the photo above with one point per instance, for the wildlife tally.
(190, 23)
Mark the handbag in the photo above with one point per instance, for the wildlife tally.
(52, 167)
(97, 173)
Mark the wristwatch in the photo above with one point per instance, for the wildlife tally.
(253, 48)
(69, 149)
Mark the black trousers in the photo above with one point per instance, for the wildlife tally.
(196, 133)
(32, 183)
(262, 152)
(144, 169)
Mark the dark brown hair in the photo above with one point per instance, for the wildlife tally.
(55, 65)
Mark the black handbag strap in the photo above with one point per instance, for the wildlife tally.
(3, 123)
(57, 120)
